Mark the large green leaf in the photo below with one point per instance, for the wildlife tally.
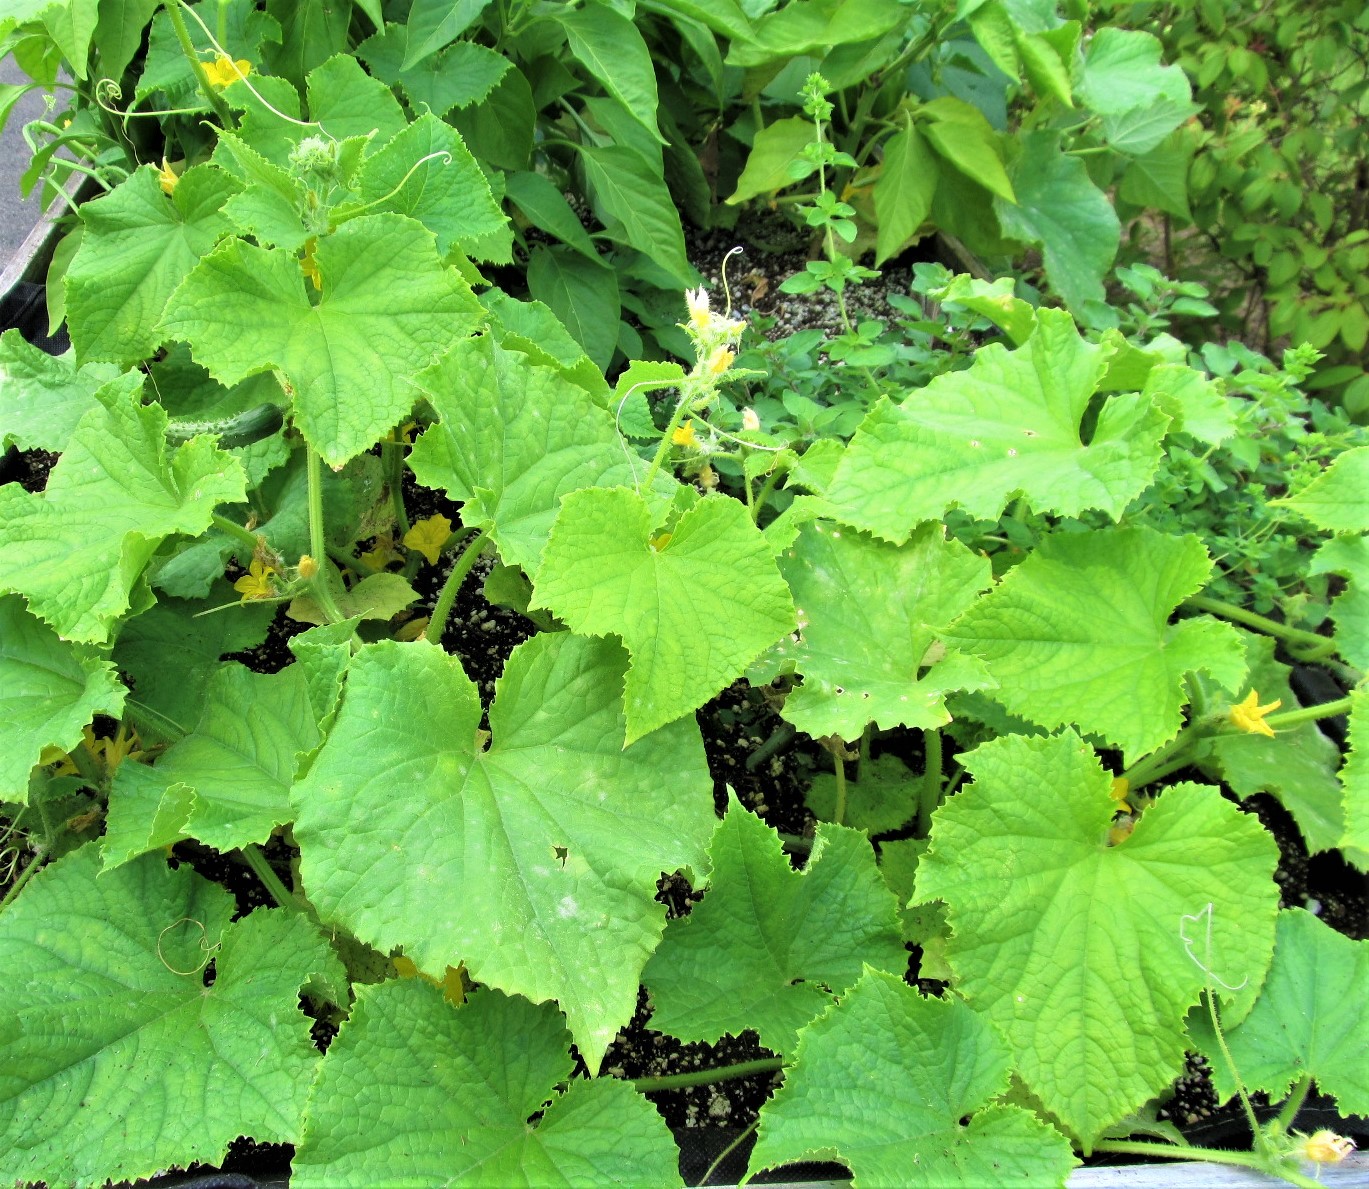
(43, 396)
(312, 31)
(413, 1092)
(1059, 208)
(240, 758)
(171, 651)
(76, 550)
(1355, 778)
(1338, 499)
(1079, 634)
(387, 310)
(138, 245)
(628, 193)
(903, 192)
(49, 691)
(868, 613)
(448, 194)
(777, 148)
(349, 102)
(1298, 765)
(1076, 949)
(609, 46)
(1122, 72)
(458, 76)
(582, 293)
(435, 23)
(813, 27)
(1311, 1019)
(1349, 556)
(962, 137)
(883, 1083)
(533, 862)
(1010, 424)
(769, 947)
(1159, 178)
(119, 1060)
(513, 438)
(693, 610)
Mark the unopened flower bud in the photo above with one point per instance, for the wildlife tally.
(750, 421)
(308, 567)
(719, 361)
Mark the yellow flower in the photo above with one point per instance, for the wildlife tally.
(683, 435)
(453, 987)
(719, 361)
(1249, 714)
(751, 422)
(428, 536)
(223, 70)
(696, 302)
(1121, 786)
(256, 583)
(308, 263)
(1324, 1147)
(308, 567)
(167, 178)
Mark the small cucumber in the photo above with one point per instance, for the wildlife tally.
(242, 430)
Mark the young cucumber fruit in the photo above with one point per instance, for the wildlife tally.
(242, 430)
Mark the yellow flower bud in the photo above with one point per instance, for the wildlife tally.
(750, 421)
(719, 361)
(167, 178)
(308, 567)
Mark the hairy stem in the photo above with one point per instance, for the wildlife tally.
(839, 767)
(1210, 1155)
(704, 1077)
(437, 622)
(24, 876)
(930, 793)
(221, 109)
(392, 459)
(283, 896)
(246, 539)
(1261, 623)
(1294, 718)
(321, 585)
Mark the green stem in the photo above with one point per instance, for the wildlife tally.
(1289, 1114)
(236, 531)
(1261, 623)
(1294, 718)
(85, 764)
(263, 870)
(318, 545)
(839, 766)
(24, 876)
(1129, 1147)
(392, 459)
(704, 1077)
(727, 1151)
(686, 399)
(930, 793)
(151, 724)
(1145, 770)
(437, 622)
(221, 109)
(767, 489)
(1261, 1140)
(780, 736)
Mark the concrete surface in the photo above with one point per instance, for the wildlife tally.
(17, 217)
